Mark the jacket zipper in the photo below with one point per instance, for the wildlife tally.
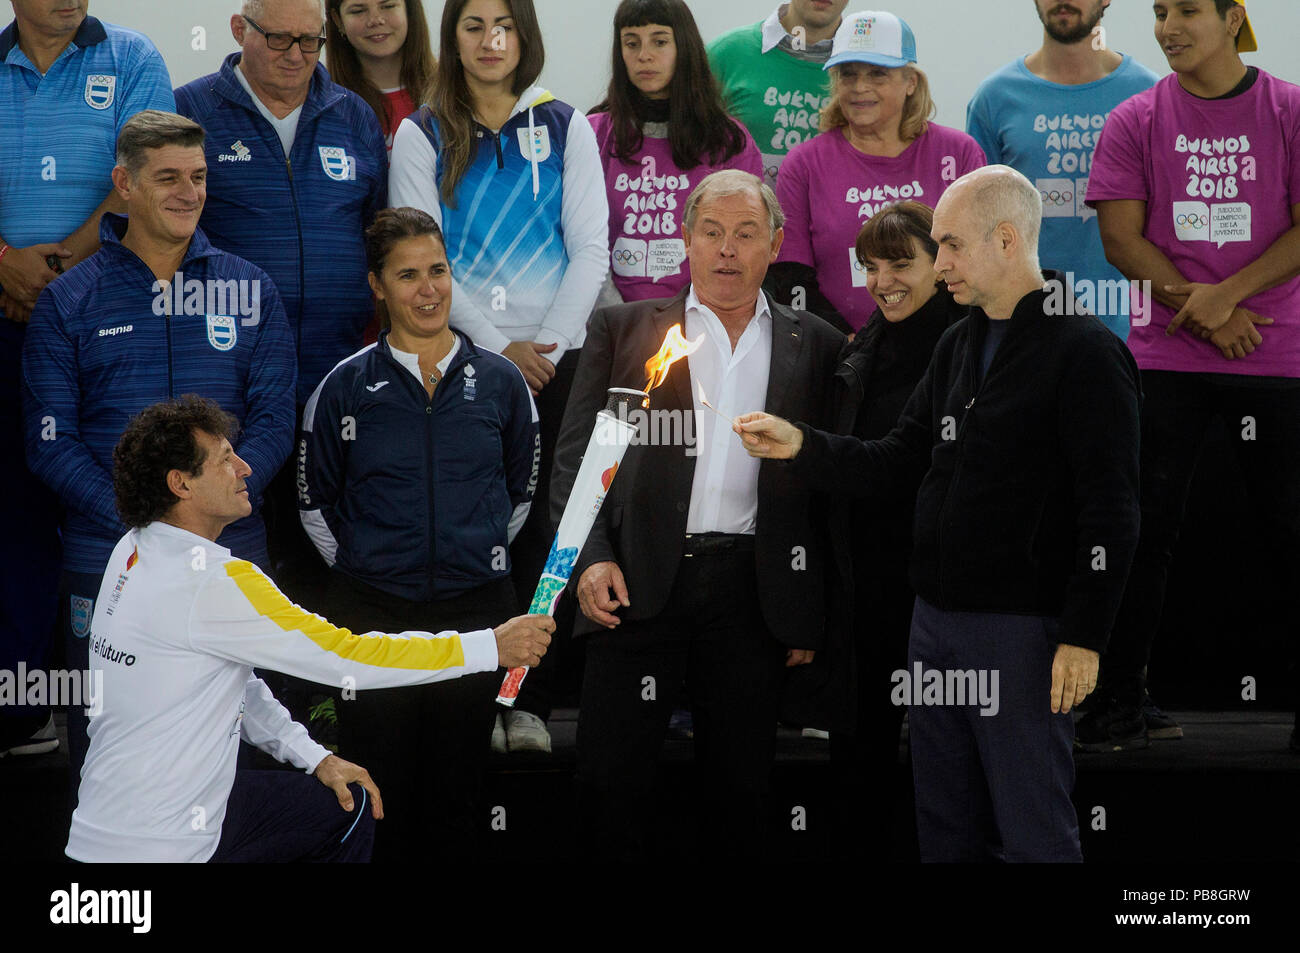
(302, 277)
(429, 435)
(975, 388)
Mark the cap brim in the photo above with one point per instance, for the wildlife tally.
(875, 59)
(1246, 37)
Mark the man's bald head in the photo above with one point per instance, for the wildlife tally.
(995, 195)
(986, 225)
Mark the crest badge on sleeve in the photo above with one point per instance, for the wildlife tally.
(338, 165)
(100, 88)
(221, 331)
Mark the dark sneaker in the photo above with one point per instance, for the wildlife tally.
(1110, 728)
(1294, 744)
(1160, 727)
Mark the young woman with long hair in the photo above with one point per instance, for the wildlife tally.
(661, 129)
(380, 50)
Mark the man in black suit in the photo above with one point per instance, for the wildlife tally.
(705, 566)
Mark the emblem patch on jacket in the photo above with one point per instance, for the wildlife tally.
(338, 165)
(83, 610)
(100, 88)
(541, 143)
(221, 331)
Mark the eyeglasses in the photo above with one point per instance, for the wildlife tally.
(283, 41)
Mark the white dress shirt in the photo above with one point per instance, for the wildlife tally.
(724, 491)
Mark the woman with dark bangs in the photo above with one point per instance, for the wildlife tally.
(877, 373)
(380, 50)
(661, 129)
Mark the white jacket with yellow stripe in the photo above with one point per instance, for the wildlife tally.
(178, 627)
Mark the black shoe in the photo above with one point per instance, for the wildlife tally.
(1294, 744)
(1111, 728)
(1160, 727)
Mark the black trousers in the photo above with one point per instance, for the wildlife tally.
(424, 746)
(277, 817)
(712, 637)
(1177, 410)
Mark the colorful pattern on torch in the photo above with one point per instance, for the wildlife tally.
(555, 576)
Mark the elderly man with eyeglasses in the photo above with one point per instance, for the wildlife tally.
(297, 168)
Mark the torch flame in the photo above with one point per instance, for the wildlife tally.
(674, 348)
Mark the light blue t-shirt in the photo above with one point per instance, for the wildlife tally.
(58, 137)
(1047, 131)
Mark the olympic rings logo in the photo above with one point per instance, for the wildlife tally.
(770, 171)
(859, 267)
(1191, 221)
(624, 257)
(1056, 198)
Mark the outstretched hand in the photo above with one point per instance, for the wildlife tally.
(768, 437)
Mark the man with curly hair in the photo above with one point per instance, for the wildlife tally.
(178, 628)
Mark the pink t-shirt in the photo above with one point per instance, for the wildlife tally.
(1219, 178)
(845, 188)
(646, 200)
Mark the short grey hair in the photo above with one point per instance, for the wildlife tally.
(999, 193)
(257, 9)
(154, 129)
(734, 182)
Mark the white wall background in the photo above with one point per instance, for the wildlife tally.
(959, 42)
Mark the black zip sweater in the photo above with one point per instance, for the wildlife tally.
(1028, 480)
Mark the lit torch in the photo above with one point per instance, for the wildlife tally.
(605, 449)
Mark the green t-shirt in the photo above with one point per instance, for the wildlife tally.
(777, 95)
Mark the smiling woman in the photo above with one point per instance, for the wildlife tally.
(877, 147)
(416, 471)
(380, 50)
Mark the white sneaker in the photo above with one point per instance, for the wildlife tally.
(45, 740)
(817, 733)
(498, 736)
(526, 732)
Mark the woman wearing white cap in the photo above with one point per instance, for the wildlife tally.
(877, 146)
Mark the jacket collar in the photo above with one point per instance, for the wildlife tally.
(90, 33)
(112, 229)
(1030, 305)
(787, 340)
(467, 351)
(321, 95)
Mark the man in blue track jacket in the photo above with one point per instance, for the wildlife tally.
(298, 168)
(158, 312)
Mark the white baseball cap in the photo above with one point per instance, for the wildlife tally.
(873, 36)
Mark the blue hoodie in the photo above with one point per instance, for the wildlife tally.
(102, 346)
(300, 217)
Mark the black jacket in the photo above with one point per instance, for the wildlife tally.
(642, 524)
(1028, 496)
